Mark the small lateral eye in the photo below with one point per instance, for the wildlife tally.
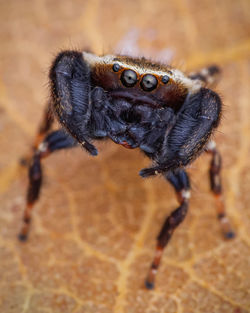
(116, 67)
(165, 79)
(129, 78)
(149, 82)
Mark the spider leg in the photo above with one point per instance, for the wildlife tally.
(186, 140)
(70, 93)
(208, 76)
(54, 141)
(180, 181)
(216, 188)
(44, 128)
(45, 125)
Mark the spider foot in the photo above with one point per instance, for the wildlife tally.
(23, 237)
(149, 285)
(230, 234)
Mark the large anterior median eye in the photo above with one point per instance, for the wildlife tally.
(148, 82)
(129, 78)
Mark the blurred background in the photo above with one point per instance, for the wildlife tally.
(94, 228)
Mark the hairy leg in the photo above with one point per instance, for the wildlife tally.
(70, 94)
(208, 76)
(198, 117)
(45, 126)
(43, 130)
(216, 188)
(180, 181)
(54, 141)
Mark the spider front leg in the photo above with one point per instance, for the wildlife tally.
(216, 188)
(180, 182)
(55, 141)
(198, 117)
(71, 96)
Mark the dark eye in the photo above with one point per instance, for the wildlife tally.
(116, 67)
(149, 82)
(129, 78)
(165, 79)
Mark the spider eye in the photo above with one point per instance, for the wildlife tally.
(149, 82)
(129, 78)
(165, 79)
(116, 67)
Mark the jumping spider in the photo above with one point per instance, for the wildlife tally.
(136, 104)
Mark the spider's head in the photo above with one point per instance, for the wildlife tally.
(138, 80)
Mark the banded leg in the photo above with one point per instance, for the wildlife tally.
(180, 182)
(45, 126)
(54, 141)
(43, 130)
(216, 188)
(207, 75)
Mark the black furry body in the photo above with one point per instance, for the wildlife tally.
(171, 138)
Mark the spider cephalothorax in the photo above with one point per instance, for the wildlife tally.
(137, 104)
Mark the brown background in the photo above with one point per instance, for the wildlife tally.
(94, 229)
